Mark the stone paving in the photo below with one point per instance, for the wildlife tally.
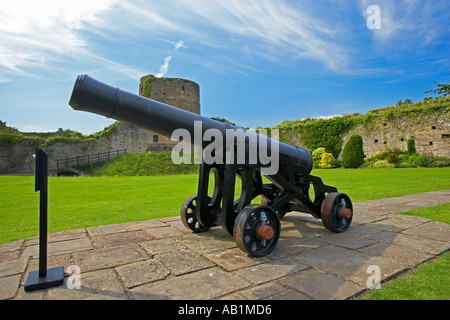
(161, 259)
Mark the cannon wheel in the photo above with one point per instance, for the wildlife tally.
(337, 212)
(252, 235)
(188, 216)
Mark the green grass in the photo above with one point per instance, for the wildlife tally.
(372, 184)
(437, 213)
(428, 281)
(91, 201)
(86, 201)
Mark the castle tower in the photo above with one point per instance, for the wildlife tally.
(180, 93)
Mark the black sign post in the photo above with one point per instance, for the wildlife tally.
(43, 278)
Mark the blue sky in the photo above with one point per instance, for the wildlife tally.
(257, 62)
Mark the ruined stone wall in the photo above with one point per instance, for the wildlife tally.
(431, 135)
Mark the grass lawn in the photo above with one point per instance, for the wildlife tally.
(91, 201)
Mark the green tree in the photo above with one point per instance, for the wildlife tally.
(411, 144)
(442, 89)
(353, 154)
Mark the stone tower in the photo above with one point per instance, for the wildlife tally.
(180, 93)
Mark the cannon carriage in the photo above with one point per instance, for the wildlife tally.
(255, 227)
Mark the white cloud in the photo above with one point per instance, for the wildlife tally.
(35, 32)
(179, 44)
(406, 22)
(4, 80)
(275, 30)
(164, 68)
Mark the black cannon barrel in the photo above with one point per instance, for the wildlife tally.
(96, 97)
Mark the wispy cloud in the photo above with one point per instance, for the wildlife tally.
(4, 80)
(47, 34)
(35, 33)
(164, 67)
(412, 21)
(179, 44)
(271, 29)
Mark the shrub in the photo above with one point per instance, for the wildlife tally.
(317, 154)
(392, 158)
(353, 154)
(326, 161)
(411, 144)
(382, 164)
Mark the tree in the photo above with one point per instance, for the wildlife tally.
(411, 144)
(442, 89)
(353, 154)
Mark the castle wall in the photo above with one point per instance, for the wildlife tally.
(431, 135)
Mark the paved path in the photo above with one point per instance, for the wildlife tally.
(161, 259)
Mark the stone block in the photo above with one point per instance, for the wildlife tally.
(108, 257)
(138, 273)
(203, 284)
(183, 261)
(233, 259)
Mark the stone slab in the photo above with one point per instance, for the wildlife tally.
(9, 286)
(398, 223)
(163, 232)
(161, 246)
(96, 285)
(233, 259)
(289, 245)
(346, 240)
(138, 273)
(9, 251)
(59, 236)
(183, 261)
(412, 241)
(263, 291)
(269, 271)
(15, 266)
(432, 230)
(107, 229)
(56, 248)
(321, 286)
(348, 264)
(204, 284)
(399, 254)
(108, 257)
(117, 239)
(203, 245)
(141, 225)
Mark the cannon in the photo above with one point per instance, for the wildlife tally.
(255, 227)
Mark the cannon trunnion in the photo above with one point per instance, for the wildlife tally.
(255, 227)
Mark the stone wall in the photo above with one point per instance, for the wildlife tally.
(431, 135)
